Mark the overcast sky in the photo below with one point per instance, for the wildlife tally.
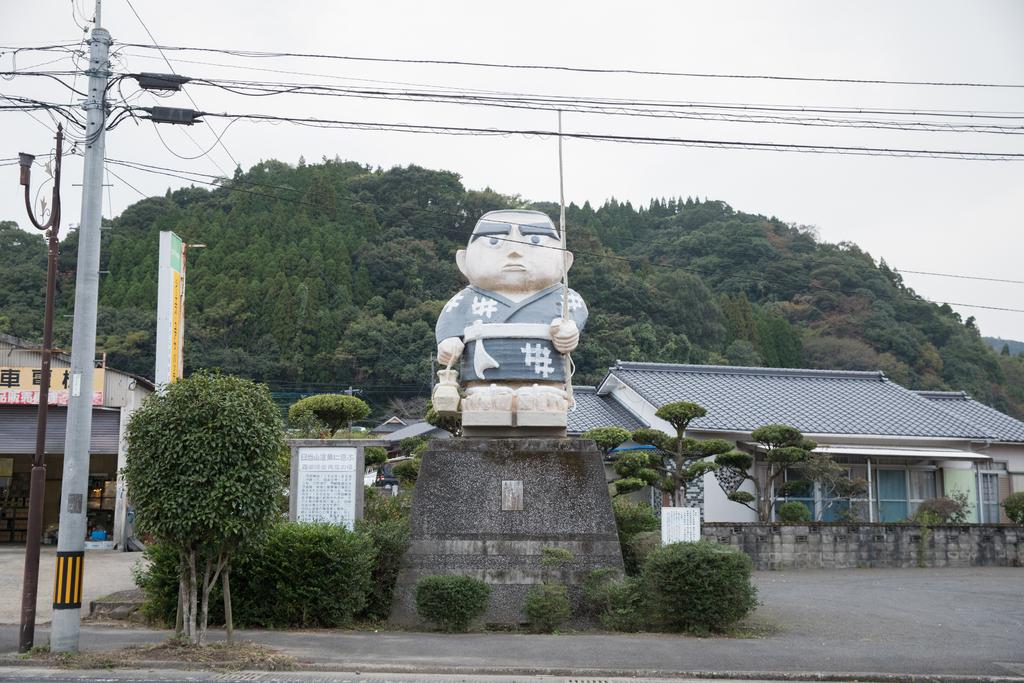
(951, 216)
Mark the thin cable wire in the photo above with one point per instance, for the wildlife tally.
(571, 69)
(187, 94)
(960, 277)
(629, 139)
(635, 108)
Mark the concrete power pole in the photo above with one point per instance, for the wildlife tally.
(67, 599)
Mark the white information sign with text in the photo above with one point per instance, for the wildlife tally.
(327, 485)
(680, 525)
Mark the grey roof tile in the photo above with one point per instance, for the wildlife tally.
(813, 401)
(593, 411)
(999, 426)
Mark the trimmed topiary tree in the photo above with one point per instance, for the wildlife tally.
(451, 602)
(331, 410)
(607, 438)
(677, 461)
(699, 587)
(204, 475)
(784, 447)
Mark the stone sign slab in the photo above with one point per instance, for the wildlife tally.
(327, 481)
(680, 525)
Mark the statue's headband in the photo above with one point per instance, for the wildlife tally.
(492, 227)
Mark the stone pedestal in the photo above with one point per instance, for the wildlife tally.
(486, 508)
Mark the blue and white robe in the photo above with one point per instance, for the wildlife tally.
(508, 340)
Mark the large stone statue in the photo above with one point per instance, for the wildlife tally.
(508, 328)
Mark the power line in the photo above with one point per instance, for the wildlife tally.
(961, 277)
(626, 139)
(188, 95)
(738, 113)
(633, 261)
(571, 69)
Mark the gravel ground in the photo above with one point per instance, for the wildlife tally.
(106, 571)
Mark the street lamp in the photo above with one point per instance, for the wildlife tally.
(30, 584)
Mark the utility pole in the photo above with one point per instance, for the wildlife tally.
(67, 599)
(30, 582)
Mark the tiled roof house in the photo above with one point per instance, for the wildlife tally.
(910, 445)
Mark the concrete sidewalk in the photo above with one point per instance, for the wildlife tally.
(966, 622)
(106, 572)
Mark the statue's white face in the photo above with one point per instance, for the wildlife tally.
(512, 259)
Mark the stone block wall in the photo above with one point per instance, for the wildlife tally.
(822, 545)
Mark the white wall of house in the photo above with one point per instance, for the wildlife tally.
(718, 508)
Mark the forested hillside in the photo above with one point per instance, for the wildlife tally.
(320, 276)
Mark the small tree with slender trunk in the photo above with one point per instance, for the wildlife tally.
(204, 474)
(784, 448)
(677, 460)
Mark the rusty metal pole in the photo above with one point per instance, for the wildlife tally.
(30, 584)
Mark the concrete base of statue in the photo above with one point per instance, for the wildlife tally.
(487, 507)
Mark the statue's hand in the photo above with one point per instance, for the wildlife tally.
(449, 350)
(565, 336)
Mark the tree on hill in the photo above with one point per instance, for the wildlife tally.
(336, 276)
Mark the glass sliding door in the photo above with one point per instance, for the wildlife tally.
(891, 487)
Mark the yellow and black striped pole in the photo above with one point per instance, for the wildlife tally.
(67, 582)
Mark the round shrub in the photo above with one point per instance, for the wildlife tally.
(942, 510)
(794, 511)
(451, 602)
(1014, 506)
(698, 586)
(546, 607)
(618, 604)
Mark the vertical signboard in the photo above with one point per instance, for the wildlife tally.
(680, 525)
(170, 310)
(327, 483)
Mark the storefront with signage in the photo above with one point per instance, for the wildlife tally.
(115, 395)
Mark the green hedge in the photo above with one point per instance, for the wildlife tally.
(700, 586)
(301, 575)
(632, 519)
(304, 575)
(451, 602)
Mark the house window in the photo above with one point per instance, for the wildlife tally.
(989, 491)
(840, 509)
(900, 492)
(922, 487)
(801, 491)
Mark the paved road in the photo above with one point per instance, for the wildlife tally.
(50, 676)
(938, 621)
(106, 571)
